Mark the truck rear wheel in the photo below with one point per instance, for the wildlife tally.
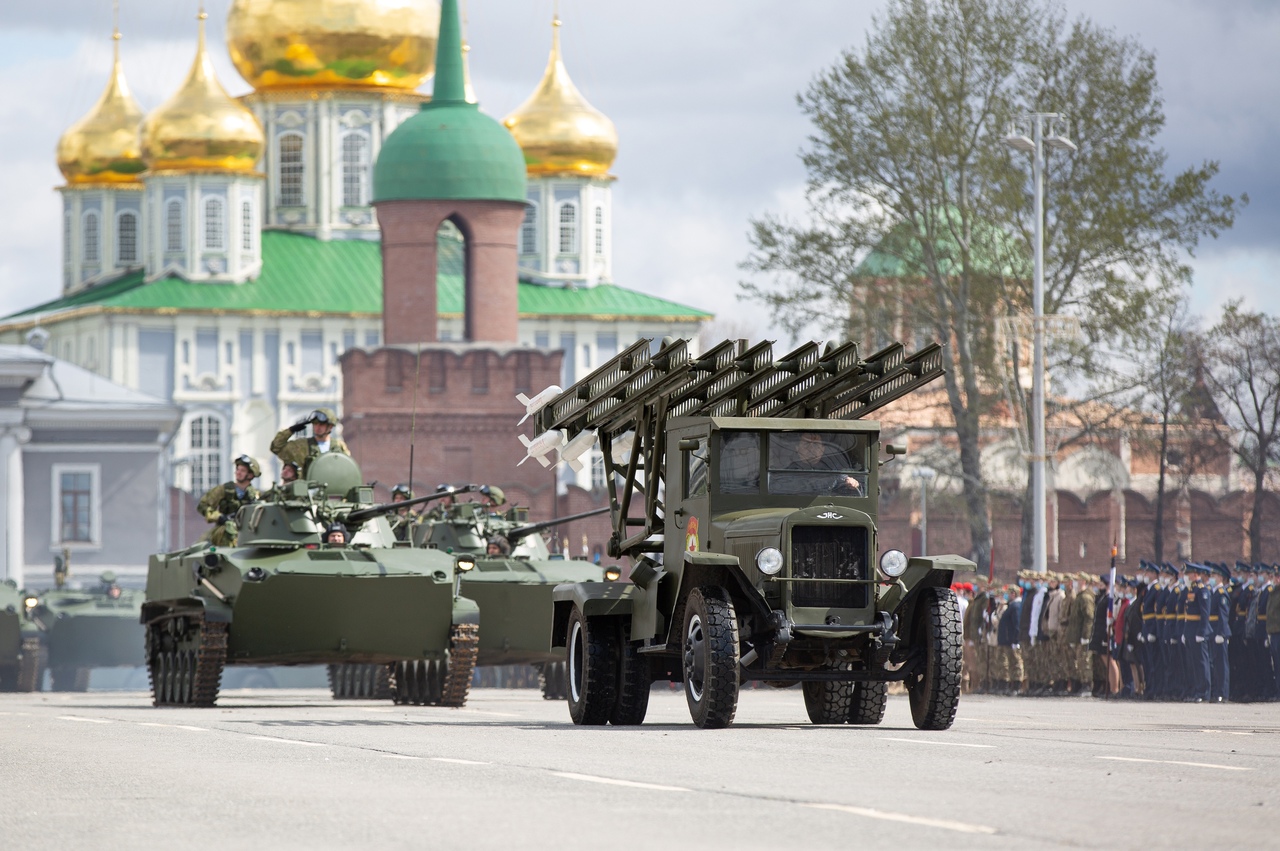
(828, 702)
(593, 669)
(634, 681)
(934, 689)
(869, 701)
(710, 657)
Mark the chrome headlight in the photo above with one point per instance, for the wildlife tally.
(769, 560)
(893, 563)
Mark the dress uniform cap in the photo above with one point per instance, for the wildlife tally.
(1223, 571)
(1170, 570)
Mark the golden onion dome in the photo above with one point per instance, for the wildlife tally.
(333, 44)
(103, 146)
(558, 130)
(202, 128)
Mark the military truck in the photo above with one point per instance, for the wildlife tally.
(86, 628)
(283, 596)
(513, 589)
(748, 503)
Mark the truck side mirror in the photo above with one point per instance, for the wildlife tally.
(689, 444)
(893, 450)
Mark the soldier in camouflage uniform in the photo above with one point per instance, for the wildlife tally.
(403, 521)
(1077, 633)
(304, 450)
(220, 504)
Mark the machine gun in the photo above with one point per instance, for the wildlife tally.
(362, 514)
(515, 535)
(755, 552)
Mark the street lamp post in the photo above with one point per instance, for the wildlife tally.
(925, 475)
(1045, 129)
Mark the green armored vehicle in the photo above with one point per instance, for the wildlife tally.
(21, 662)
(748, 503)
(285, 596)
(513, 585)
(88, 628)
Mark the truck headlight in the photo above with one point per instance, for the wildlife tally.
(31, 602)
(893, 563)
(769, 560)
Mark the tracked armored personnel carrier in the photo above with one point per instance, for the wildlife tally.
(20, 647)
(748, 502)
(514, 589)
(86, 628)
(282, 596)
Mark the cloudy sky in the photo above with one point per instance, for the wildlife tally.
(703, 94)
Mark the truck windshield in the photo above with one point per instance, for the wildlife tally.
(810, 462)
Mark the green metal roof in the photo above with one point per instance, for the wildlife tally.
(450, 150)
(899, 256)
(302, 275)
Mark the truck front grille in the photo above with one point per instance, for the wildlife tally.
(829, 552)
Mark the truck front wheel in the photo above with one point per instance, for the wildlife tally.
(710, 657)
(934, 689)
(593, 668)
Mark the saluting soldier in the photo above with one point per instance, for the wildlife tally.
(220, 504)
(1220, 623)
(304, 450)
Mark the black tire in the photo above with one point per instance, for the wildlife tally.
(869, 701)
(31, 665)
(828, 702)
(709, 653)
(592, 669)
(934, 689)
(634, 681)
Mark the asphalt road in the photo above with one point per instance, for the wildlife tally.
(294, 769)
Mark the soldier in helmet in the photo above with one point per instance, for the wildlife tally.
(336, 535)
(288, 475)
(403, 521)
(109, 586)
(497, 548)
(220, 504)
(493, 496)
(304, 450)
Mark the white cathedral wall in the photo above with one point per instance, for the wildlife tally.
(84, 264)
(204, 226)
(588, 259)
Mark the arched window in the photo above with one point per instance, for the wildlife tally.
(173, 240)
(127, 239)
(355, 170)
(91, 237)
(291, 170)
(215, 225)
(206, 453)
(568, 228)
(599, 230)
(529, 230)
(246, 226)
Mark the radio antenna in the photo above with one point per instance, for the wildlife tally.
(413, 420)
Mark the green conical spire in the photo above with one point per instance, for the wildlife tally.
(451, 83)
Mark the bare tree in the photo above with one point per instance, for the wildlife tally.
(1242, 352)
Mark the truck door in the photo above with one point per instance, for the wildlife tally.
(691, 511)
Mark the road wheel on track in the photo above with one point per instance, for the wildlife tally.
(934, 689)
(31, 665)
(710, 657)
(69, 679)
(634, 681)
(592, 668)
(185, 658)
(828, 702)
(869, 701)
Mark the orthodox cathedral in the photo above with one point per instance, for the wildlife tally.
(222, 254)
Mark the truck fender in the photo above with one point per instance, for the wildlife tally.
(702, 568)
(922, 572)
(594, 599)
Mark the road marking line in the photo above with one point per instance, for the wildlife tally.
(944, 824)
(288, 741)
(1177, 762)
(930, 742)
(609, 781)
(457, 761)
(399, 756)
(171, 726)
(85, 720)
(1228, 732)
(471, 711)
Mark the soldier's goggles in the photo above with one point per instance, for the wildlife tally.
(319, 417)
(245, 460)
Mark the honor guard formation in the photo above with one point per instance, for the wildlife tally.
(1205, 633)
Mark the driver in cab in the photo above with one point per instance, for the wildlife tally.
(820, 468)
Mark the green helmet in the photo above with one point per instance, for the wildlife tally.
(251, 464)
(324, 415)
(108, 577)
(495, 494)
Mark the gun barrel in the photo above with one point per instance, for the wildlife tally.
(516, 534)
(362, 514)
